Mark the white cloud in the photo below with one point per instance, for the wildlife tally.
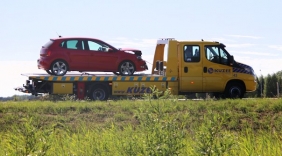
(221, 40)
(245, 36)
(253, 53)
(243, 45)
(277, 47)
(11, 75)
(122, 42)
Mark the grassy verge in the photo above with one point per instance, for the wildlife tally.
(149, 127)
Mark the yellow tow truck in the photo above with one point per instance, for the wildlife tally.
(189, 67)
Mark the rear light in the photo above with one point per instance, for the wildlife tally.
(48, 53)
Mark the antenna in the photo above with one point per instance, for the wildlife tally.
(58, 35)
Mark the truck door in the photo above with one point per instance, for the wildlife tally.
(190, 67)
(216, 68)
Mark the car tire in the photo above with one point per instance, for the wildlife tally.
(234, 90)
(116, 73)
(59, 68)
(49, 72)
(98, 92)
(126, 68)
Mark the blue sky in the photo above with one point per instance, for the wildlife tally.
(251, 30)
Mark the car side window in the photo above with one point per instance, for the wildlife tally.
(95, 46)
(73, 44)
(191, 53)
(216, 54)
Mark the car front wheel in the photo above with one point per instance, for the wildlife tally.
(59, 68)
(126, 68)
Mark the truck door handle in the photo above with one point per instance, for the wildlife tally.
(205, 69)
(185, 69)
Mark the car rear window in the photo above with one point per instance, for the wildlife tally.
(48, 44)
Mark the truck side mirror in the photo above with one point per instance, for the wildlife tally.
(161, 66)
(231, 60)
(157, 65)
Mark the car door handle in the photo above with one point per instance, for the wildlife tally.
(205, 69)
(185, 69)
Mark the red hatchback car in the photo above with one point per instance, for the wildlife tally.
(88, 54)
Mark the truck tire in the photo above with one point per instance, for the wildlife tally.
(98, 92)
(234, 90)
(59, 68)
(126, 68)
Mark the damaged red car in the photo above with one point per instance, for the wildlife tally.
(63, 54)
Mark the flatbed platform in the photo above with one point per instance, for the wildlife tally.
(100, 77)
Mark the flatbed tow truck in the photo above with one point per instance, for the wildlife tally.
(190, 67)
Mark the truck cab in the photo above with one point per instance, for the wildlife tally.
(204, 66)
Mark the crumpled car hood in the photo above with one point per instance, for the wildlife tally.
(135, 51)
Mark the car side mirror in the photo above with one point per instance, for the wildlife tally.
(110, 50)
(231, 60)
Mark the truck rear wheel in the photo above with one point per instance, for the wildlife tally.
(234, 90)
(98, 92)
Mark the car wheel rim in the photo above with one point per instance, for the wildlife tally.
(127, 68)
(59, 68)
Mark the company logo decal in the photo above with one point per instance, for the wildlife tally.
(211, 70)
(138, 90)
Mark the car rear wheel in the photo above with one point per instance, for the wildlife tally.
(49, 72)
(126, 68)
(116, 73)
(59, 68)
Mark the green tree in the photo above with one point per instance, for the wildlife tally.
(270, 85)
(260, 87)
(279, 77)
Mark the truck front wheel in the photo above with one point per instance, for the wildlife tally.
(234, 90)
(98, 92)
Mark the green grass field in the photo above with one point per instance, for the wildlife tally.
(142, 127)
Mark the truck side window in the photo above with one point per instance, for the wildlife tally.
(191, 53)
(216, 54)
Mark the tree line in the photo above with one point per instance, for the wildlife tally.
(268, 86)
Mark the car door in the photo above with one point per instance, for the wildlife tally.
(216, 69)
(78, 57)
(191, 73)
(101, 58)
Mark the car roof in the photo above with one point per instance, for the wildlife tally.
(64, 38)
